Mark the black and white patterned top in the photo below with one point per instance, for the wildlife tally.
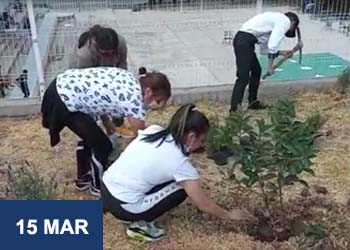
(101, 90)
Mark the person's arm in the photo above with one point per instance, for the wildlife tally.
(270, 68)
(287, 53)
(194, 190)
(278, 33)
(280, 28)
(108, 124)
(136, 124)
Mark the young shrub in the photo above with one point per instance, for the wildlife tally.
(293, 145)
(27, 184)
(273, 154)
(224, 139)
(343, 81)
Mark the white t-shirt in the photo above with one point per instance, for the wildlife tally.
(144, 165)
(101, 90)
(269, 28)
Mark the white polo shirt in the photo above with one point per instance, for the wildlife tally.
(101, 91)
(144, 165)
(269, 28)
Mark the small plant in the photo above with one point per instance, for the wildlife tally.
(273, 154)
(224, 138)
(293, 145)
(317, 230)
(343, 81)
(27, 184)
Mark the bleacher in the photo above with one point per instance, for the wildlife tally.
(332, 19)
(14, 39)
(44, 39)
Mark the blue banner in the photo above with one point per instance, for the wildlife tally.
(51, 225)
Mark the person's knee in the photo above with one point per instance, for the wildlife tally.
(102, 151)
(257, 72)
(242, 78)
(182, 195)
(107, 149)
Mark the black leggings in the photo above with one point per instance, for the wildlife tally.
(96, 143)
(159, 200)
(56, 116)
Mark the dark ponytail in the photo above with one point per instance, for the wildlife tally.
(186, 119)
(106, 38)
(83, 39)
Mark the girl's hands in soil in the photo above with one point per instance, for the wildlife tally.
(241, 215)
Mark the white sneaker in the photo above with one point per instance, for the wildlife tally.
(146, 231)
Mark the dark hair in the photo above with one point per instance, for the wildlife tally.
(25, 71)
(142, 71)
(158, 83)
(106, 38)
(293, 17)
(186, 119)
(82, 39)
(114, 38)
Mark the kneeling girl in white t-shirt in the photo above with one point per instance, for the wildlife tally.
(154, 175)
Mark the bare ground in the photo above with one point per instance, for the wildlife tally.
(25, 139)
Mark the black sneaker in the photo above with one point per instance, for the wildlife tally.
(83, 183)
(233, 108)
(257, 105)
(94, 191)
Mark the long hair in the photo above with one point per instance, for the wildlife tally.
(186, 119)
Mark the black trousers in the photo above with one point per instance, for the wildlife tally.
(159, 200)
(2, 90)
(24, 88)
(96, 143)
(248, 68)
(83, 154)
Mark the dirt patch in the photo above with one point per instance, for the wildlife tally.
(187, 228)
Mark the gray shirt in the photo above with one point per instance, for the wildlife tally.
(87, 56)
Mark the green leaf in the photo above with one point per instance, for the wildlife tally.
(303, 182)
(309, 170)
(292, 169)
(249, 181)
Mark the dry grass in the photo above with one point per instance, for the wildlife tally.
(24, 139)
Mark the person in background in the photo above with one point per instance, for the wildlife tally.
(98, 46)
(2, 85)
(268, 30)
(77, 96)
(154, 175)
(142, 72)
(22, 81)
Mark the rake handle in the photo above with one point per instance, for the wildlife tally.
(281, 61)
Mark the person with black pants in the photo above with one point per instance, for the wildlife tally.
(154, 175)
(77, 96)
(268, 30)
(22, 81)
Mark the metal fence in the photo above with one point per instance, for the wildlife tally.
(190, 40)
